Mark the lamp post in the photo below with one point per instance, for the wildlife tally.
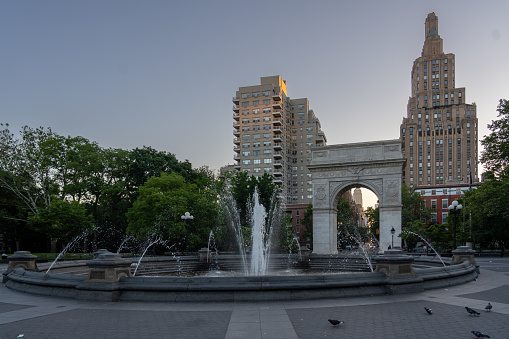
(187, 217)
(455, 209)
(392, 234)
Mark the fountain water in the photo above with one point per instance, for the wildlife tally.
(260, 248)
(264, 227)
(157, 241)
(365, 254)
(69, 246)
(432, 248)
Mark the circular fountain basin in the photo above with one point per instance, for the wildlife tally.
(243, 288)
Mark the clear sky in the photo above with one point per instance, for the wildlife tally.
(162, 73)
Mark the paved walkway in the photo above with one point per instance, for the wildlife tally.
(401, 316)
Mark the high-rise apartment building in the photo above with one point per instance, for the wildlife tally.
(439, 133)
(274, 134)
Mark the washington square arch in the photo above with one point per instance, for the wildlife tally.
(377, 166)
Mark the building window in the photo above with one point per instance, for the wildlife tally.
(444, 216)
(256, 111)
(256, 94)
(246, 162)
(267, 161)
(266, 93)
(245, 103)
(266, 110)
(266, 101)
(244, 95)
(256, 102)
(445, 203)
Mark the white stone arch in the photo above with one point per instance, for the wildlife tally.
(375, 165)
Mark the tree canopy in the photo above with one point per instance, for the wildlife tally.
(495, 155)
(41, 172)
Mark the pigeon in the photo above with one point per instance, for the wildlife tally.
(480, 334)
(430, 312)
(471, 311)
(336, 322)
(488, 307)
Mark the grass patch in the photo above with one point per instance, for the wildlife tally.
(67, 256)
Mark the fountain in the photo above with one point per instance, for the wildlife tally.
(110, 277)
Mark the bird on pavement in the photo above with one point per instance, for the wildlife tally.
(488, 307)
(428, 310)
(471, 311)
(479, 334)
(335, 322)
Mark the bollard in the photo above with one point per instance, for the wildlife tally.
(23, 259)
(205, 254)
(108, 267)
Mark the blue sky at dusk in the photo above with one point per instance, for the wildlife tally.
(162, 73)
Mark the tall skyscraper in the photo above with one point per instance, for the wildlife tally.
(274, 134)
(439, 133)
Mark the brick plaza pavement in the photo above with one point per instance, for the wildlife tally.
(398, 316)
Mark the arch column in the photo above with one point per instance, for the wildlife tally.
(325, 234)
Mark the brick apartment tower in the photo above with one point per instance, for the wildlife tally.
(439, 133)
(274, 134)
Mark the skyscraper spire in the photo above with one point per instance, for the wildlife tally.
(431, 25)
(433, 43)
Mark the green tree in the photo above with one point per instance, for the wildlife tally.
(243, 187)
(489, 207)
(13, 220)
(412, 233)
(373, 215)
(413, 206)
(26, 166)
(307, 222)
(163, 200)
(495, 155)
(62, 219)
